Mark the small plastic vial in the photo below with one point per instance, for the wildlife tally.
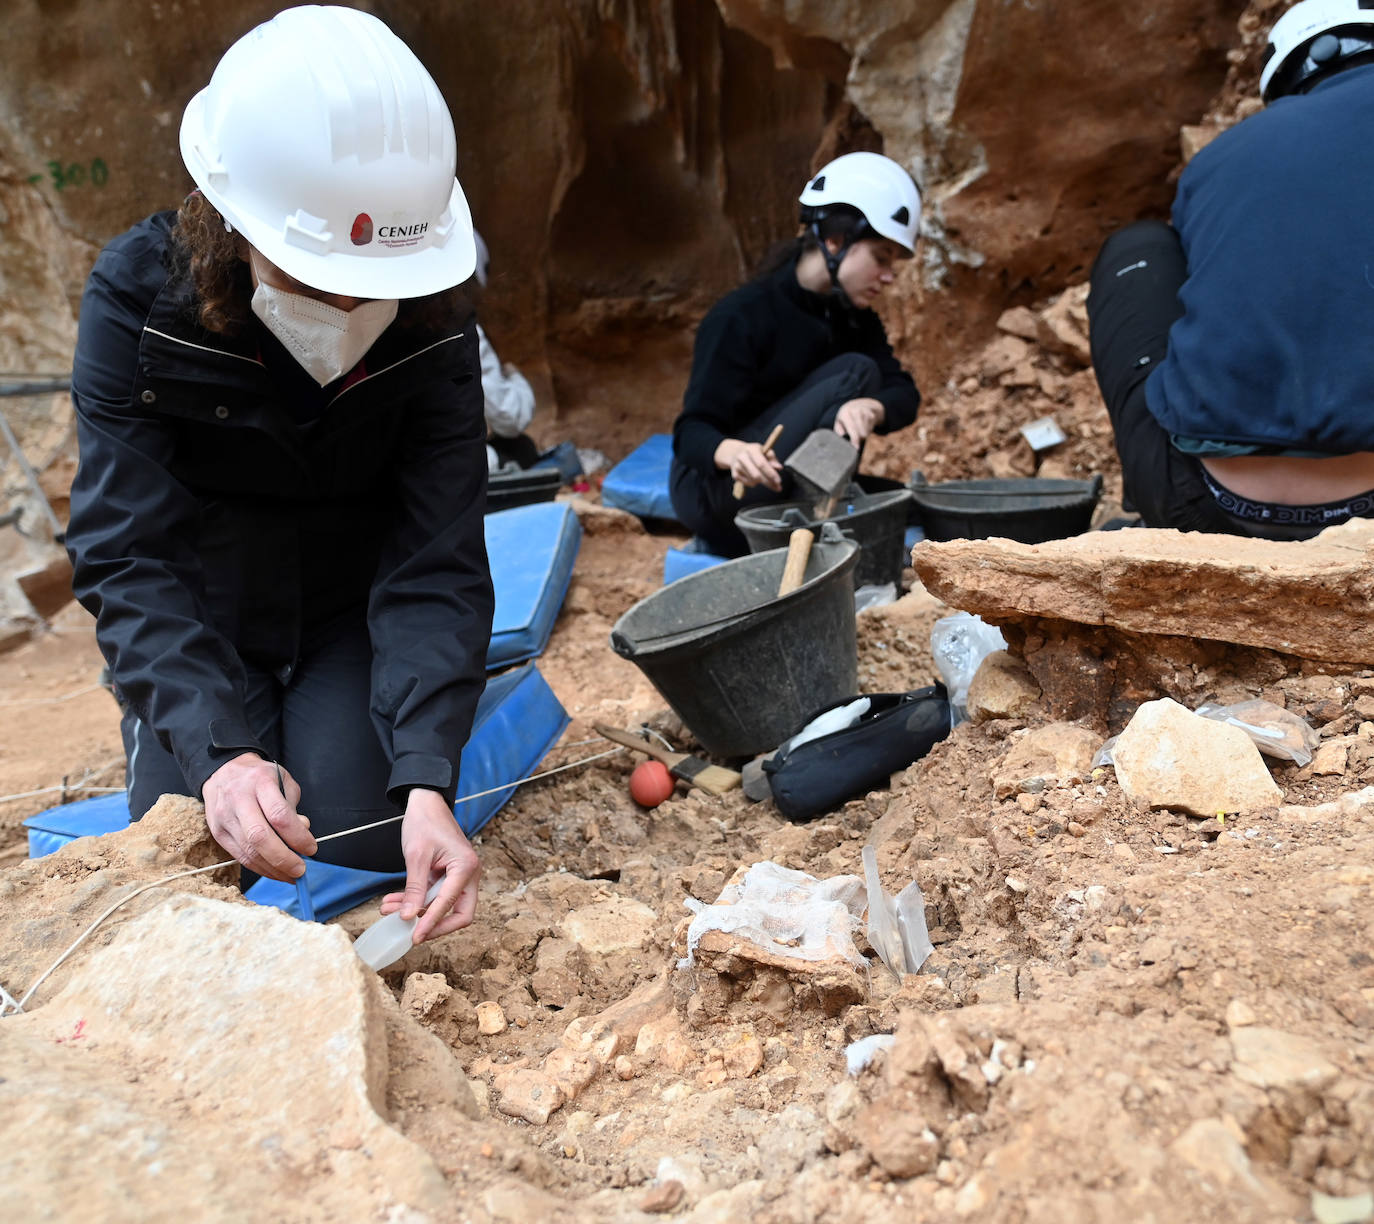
(388, 939)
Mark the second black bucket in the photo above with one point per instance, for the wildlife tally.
(522, 487)
(741, 666)
(875, 521)
(1030, 510)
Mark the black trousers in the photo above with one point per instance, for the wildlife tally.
(706, 506)
(316, 724)
(1132, 303)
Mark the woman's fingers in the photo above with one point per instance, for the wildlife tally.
(464, 907)
(754, 467)
(453, 907)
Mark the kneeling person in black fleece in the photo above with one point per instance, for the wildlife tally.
(799, 347)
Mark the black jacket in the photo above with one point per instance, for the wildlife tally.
(210, 526)
(758, 343)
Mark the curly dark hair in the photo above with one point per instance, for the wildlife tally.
(215, 262)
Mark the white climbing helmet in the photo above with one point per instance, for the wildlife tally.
(325, 143)
(1313, 37)
(877, 186)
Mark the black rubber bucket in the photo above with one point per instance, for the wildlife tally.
(1030, 510)
(506, 490)
(742, 667)
(876, 522)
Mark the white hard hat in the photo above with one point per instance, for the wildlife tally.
(877, 186)
(325, 143)
(1313, 37)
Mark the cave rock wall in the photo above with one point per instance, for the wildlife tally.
(630, 160)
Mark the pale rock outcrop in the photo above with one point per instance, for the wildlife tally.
(1169, 757)
(1185, 584)
(1109, 619)
(1057, 754)
(127, 1096)
(1002, 687)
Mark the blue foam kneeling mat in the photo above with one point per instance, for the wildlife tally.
(678, 564)
(639, 482)
(532, 550)
(518, 720)
(53, 829)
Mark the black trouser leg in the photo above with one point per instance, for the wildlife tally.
(318, 725)
(706, 506)
(1132, 304)
(331, 747)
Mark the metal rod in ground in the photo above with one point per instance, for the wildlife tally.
(29, 473)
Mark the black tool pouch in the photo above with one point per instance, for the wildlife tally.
(823, 773)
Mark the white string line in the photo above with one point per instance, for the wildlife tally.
(9, 1005)
(81, 784)
(80, 939)
(377, 824)
(33, 701)
(114, 790)
(69, 786)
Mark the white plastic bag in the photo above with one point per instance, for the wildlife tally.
(878, 596)
(1276, 732)
(786, 912)
(896, 928)
(959, 644)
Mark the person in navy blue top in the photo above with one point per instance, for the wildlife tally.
(1222, 343)
(799, 347)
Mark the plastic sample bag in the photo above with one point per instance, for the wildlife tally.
(959, 644)
(787, 913)
(897, 927)
(1276, 732)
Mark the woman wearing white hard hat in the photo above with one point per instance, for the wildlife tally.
(277, 517)
(799, 346)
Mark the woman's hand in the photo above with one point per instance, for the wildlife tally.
(858, 418)
(250, 817)
(434, 846)
(747, 463)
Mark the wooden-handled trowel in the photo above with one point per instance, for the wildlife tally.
(823, 466)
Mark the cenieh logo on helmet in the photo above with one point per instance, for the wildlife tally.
(361, 233)
(402, 235)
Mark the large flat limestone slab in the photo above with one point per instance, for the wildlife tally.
(1310, 599)
(215, 1061)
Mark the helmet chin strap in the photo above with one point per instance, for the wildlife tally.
(833, 260)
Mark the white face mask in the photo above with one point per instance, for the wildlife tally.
(326, 341)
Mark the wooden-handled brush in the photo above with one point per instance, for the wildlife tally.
(713, 779)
